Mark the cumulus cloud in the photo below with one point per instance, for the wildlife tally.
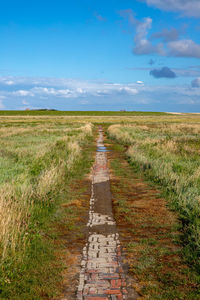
(142, 44)
(65, 93)
(23, 93)
(166, 35)
(9, 82)
(71, 94)
(184, 48)
(65, 88)
(196, 83)
(164, 72)
(189, 8)
(166, 42)
(129, 90)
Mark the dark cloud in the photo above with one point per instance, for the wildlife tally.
(166, 35)
(165, 72)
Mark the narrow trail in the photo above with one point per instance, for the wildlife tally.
(101, 275)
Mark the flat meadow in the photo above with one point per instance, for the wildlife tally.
(38, 157)
(168, 155)
(41, 153)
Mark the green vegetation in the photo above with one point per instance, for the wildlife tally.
(168, 155)
(149, 233)
(38, 161)
(44, 153)
(76, 113)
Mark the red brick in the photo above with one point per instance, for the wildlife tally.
(112, 291)
(95, 298)
(119, 297)
(116, 283)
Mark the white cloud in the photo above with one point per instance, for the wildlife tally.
(129, 90)
(67, 88)
(142, 43)
(190, 8)
(9, 82)
(166, 42)
(184, 48)
(66, 93)
(23, 93)
(70, 94)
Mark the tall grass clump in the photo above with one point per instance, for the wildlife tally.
(168, 154)
(36, 164)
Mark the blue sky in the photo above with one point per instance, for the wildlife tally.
(100, 55)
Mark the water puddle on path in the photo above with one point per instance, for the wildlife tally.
(102, 149)
(101, 275)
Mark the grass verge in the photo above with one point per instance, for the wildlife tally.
(168, 155)
(150, 234)
(40, 203)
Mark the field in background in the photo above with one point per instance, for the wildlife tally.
(76, 113)
(43, 117)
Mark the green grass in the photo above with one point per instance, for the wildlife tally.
(38, 164)
(77, 113)
(151, 239)
(168, 155)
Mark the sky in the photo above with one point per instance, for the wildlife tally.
(100, 55)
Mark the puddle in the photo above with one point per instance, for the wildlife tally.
(102, 149)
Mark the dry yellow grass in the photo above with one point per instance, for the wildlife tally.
(16, 198)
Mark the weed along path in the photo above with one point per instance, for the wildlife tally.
(101, 275)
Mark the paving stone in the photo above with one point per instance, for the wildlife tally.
(101, 275)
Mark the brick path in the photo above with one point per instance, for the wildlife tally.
(101, 275)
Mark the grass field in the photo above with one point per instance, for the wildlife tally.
(168, 155)
(42, 157)
(150, 234)
(76, 113)
(38, 159)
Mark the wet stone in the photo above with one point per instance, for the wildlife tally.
(101, 275)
